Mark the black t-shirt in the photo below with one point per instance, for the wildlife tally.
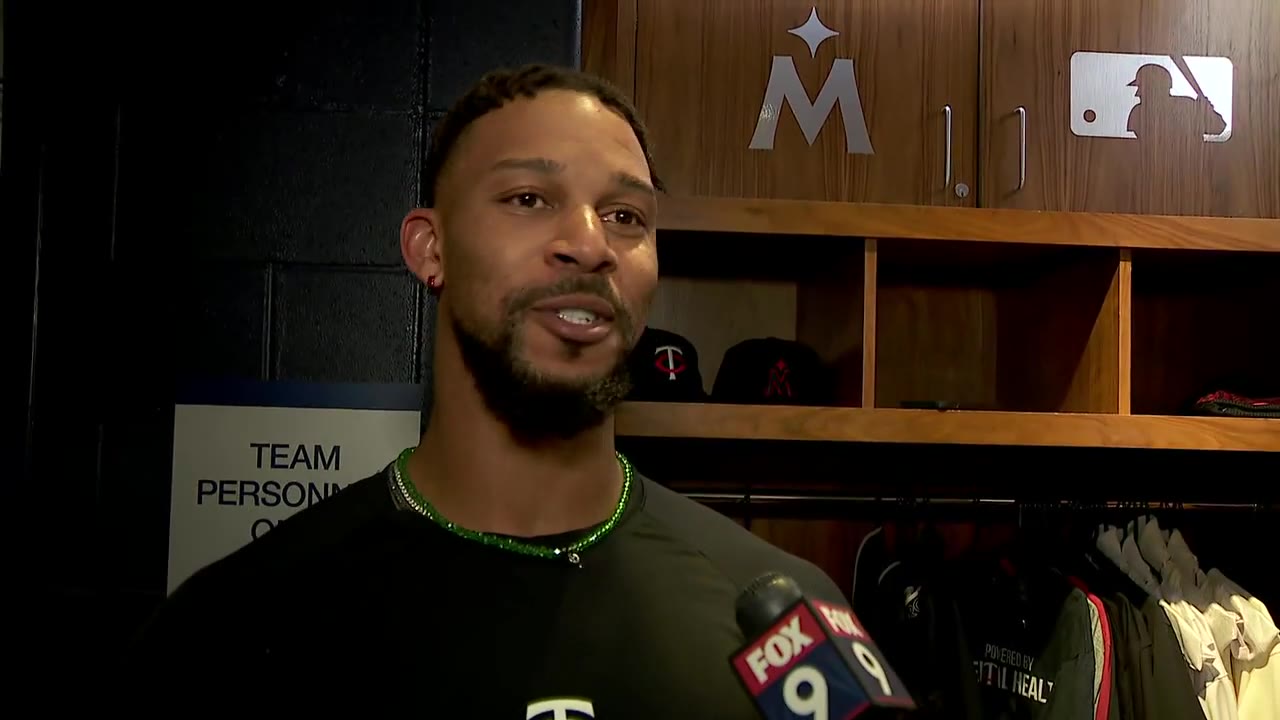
(911, 612)
(920, 628)
(358, 589)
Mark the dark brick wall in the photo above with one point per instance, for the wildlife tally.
(205, 192)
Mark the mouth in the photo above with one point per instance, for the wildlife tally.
(578, 309)
(577, 318)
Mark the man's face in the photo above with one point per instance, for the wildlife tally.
(548, 255)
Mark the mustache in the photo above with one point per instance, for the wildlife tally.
(573, 285)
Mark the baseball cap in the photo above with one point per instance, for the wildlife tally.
(664, 368)
(772, 371)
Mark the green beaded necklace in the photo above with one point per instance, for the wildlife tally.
(569, 552)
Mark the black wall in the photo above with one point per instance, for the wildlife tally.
(204, 192)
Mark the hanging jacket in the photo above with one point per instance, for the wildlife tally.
(1255, 653)
(1031, 639)
(1210, 678)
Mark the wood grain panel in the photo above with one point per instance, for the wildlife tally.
(870, 303)
(884, 425)
(599, 38)
(715, 314)
(1204, 324)
(1060, 337)
(702, 67)
(1169, 169)
(721, 289)
(829, 317)
(1124, 278)
(609, 42)
(888, 222)
(935, 343)
(987, 326)
(831, 544)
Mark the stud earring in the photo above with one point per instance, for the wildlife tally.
(431, 282)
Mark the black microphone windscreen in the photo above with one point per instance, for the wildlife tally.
(764, 600)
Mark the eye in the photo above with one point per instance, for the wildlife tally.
(624, 217)
(528, 200)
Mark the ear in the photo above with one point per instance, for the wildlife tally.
(420, 245)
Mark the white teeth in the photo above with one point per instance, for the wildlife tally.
(577, 316)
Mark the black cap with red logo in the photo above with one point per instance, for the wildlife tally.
(772, 371)
(664, 368)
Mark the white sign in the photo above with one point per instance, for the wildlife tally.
(785, 88)
(247, 456)
(1110, 90)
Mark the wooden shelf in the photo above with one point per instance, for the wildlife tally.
(922, 222)
(1068, 322)
(883, 425)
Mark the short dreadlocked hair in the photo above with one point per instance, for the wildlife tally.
(500, 87)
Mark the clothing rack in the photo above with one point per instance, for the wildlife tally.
(1025, 503)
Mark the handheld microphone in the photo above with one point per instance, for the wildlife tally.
(810, 659)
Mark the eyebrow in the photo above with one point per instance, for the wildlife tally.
(547, 166)
(544, 166)
(627, 180)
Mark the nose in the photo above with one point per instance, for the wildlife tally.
(583, 242)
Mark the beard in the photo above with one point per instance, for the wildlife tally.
(534, 406)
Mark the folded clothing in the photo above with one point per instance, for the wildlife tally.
(1225, 403)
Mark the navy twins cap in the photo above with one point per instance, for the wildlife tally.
(664, 368)
(772, 371)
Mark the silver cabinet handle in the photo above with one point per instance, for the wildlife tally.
(1022, 147)
(946, 111)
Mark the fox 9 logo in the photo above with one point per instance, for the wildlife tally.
(1151, 98)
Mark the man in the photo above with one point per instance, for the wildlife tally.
(1166, 121)
(513, 564)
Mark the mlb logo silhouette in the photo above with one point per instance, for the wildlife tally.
(1153, 98)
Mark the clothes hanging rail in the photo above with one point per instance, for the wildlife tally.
(1083, 505)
